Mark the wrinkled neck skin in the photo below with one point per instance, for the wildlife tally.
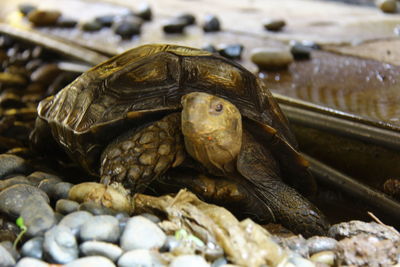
(214, 138)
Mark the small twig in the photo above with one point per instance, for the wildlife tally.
(376, 219)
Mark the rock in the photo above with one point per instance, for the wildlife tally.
(189, 260)
(326, 257)
(300, 261)
(98, 248)
(387, 6)
(367, 250)
(44, 17)
(91, 26)
(233, 51)
(11, 164)
(33, 248)
(66, 206)
(47, 185)
(60, 245)
(295, 243)
(12, 198)
(37, 177)
(219, 262)
(300, 51)
(140, 257)
(25, 9)
(38, 215)
(105, 20)
(97, 261)
(210, 48)
(8, 230)
(274, 25)
(317, 244)
(20, 179)
(128, 27)
(151, 217)
(61, 190)
(175, 26)
(141, 233)
(6, 259)
(211, 24)
(271, 58)
(31, 262)
(96, 209)
(45, 74)
(187, 18)
(65, 22)
(144, 12)
(101, 228)
(353, 228)
(75, 220)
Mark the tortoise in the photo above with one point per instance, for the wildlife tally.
(122, 120)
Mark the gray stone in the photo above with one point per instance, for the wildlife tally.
(38, 176)
(274, 24)
(10, 164)
(211, 24)
(60, 245)
(151, 217)
(189, 260)
(96, 261)
(60, 190)
(75, 220)
(101, 228)
(20, 179)
(141, 233)
(127, 28)
(47, 185)
(38, 215)
(92, 26)
(317, 244)
(33, 248)
(31, 262)
(66, 206)
(98, 248)
(12, 198)
(96, 209)
(271, 58)
(140, 258)
(8, 245)
(6, 259)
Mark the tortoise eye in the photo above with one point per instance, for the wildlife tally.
(219, 107)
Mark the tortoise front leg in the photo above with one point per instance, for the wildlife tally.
(136, 158)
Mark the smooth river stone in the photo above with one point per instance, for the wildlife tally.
(38, 215)
(60, 245)
(75, 220)
(271, 58)
(101, 228)
(10, 164)
(140, 257)
(189, 260)
(141, 233)
(99, 248)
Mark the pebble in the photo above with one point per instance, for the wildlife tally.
(233, 51)
(151, 217)
(189, 260)
(219, 262)
(44, 17)
(300, 51)
(66, 206)
(45, 74)
(274, 25)
(96, 209)
(10, 164)
(317, 244)
(141, 233)
(75, 220)
(61, 190)
(105, 20)
(101, 228)
(140, 257)
(25, 9)
(387, 6)
(175, 26)
(37, 177)
(38, 215)
(6, 259)
(326, 257)
(47, 185)
(296, 243)
(33, 248)
(20, 179)
(60, 245)
(98, 248)
(144, 12)
(8, 245)
(127, 28)
(187, 18)
(65, 22)
(31, 262)
(271, 58)
(97, 261)
(91, 26)
(211, 24)
(210, 48)
(12, 198)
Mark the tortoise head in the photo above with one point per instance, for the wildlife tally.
(212, 130)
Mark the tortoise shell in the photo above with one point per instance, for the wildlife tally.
(147, 82)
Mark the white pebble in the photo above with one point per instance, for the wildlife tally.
(327, 257)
